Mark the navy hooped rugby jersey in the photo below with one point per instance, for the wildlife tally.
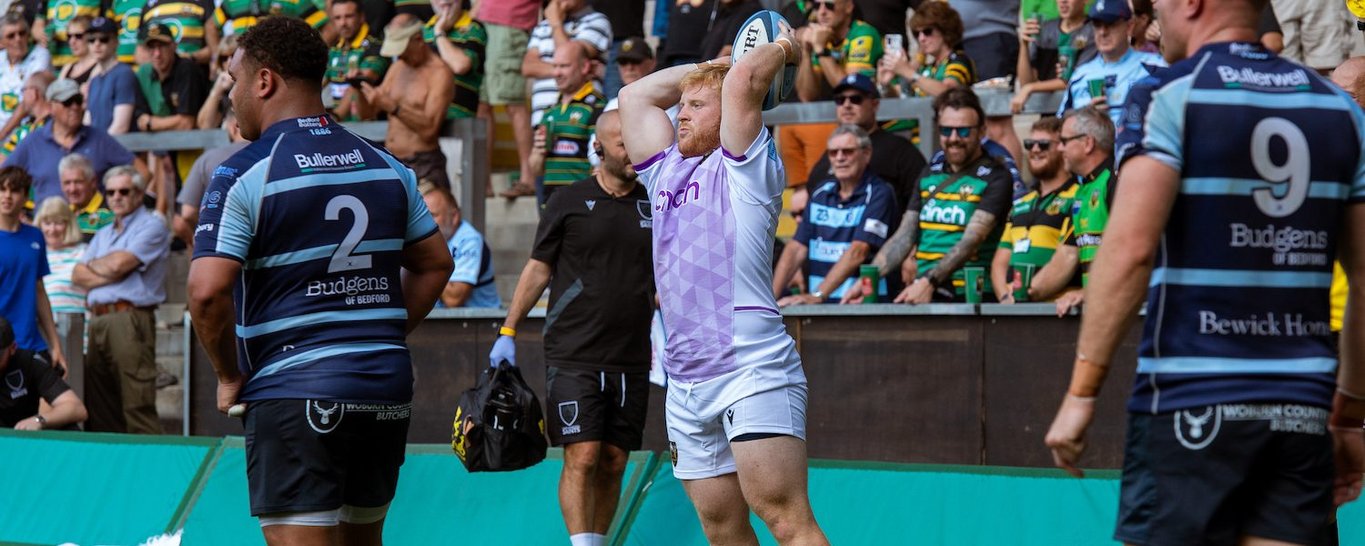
(318, 218)
(1269, 156)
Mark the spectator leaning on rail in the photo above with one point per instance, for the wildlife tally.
(1040, 220)
(849, 216)
(1040, 45)
(559, 154)
(1088, 150)
(471, 283)
(124, 270)
(956, 219)
(30, 378)
(1115, 69)
(23, 299)
(894, 159)
(40, 153)
(81, 189)
(415, 118)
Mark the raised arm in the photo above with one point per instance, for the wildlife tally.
(741, 102)
(643, 106)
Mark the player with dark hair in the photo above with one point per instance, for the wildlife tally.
(736, 408)
(1242, 177)
(321, 247)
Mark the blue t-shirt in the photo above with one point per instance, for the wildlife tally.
(115, 87)
(39, 154)
(1118, 76)
(1269, 155)
(832, 224)
(319, 219)
(997, 151)
(473, 266)
(21, 270)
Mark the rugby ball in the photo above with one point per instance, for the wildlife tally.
(762, 28)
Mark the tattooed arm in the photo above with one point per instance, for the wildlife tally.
(922, 290)
(898, 247)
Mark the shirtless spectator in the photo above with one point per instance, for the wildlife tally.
(414, 118)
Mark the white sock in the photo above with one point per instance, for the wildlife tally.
(583, 539)
(598, 540)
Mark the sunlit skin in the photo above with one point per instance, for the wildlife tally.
(863, 115)
(1111, 39)
(123, 197)
(1044, 164)
(959, 150)
(54, 233)
(699, 121)
(346, 19)
(846, 160)
(77, 190)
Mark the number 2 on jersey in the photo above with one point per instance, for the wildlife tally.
(1295, 170)
(342, 259)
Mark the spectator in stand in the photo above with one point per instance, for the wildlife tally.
(471, 283)
(627, 21)
(37, 380)
(1117, 67)
(37, 111)
(635, 60)
(53, 30)
(114, 93)
(235, 16)
(887, 16)
(849, 216)
(124, 271)
(837, 45)
(988, 36)
(940, 64)
(421, 9)
(64, 250)
(212, 112)
(1316, 34)
(354, 56)
(460, 41)
(894, 159)
(1040, 46)
(415, 118)
(79, 63)
(508, 24)
(729, 16)
(80, 189)
(19, 61)
(23, 299)
(1088, 151)
(192, 192)
(957, 218)
(560, 152)
(1143, 17)
(688, 26)
(1038, 221)
(46, 146)
(191, 22)
(1000, 154)
(174, 86)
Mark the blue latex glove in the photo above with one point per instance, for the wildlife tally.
(505, 348)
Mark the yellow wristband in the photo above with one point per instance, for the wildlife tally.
(505, 331)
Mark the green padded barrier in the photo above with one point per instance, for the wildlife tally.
(91, 488)
(875, 503)
(438, 502)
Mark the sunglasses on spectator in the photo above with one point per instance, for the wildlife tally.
(927, 31)
(1067, 139)
(1042, 144)
(962, 132)
(75, 35)
(100, 39)
(72, 102)
(826, 4)
(841, 99)
(836, 152)
(13, 35)
(122, 192)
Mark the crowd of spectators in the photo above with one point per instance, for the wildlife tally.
(964, 223)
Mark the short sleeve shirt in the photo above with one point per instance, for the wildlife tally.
(187, 87)
(1038, 224)
(28, 378)
(946, 204)
(832, 224)
(470, 36)
(39, 154)
(23, 267)
(586, 26)
(1044, 52)
(567, 128)
(473, 266)
(1118, 76)
(116, 87)
(360, 53)
(143, 234)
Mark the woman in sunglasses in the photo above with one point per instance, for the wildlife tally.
(940, 65)
(83, 62)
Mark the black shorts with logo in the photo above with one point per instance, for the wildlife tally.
(315, 455)
(588, 405)
(1212, 474)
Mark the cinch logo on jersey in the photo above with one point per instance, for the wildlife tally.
(1285, 324)
(1282, 241)
(668, 200)
(348, 286)
(1234, 77)
(310, 163)
(944, 215)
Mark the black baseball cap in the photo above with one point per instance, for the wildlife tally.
(860, 82)
(155, 32)
(634, 50)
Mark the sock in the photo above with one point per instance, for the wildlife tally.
(583, 539)
(598, 540)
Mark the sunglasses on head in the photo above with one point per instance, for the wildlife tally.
(962, 132)
(122, 192)
(1042, 144)
(841, 99)
(927, 31)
